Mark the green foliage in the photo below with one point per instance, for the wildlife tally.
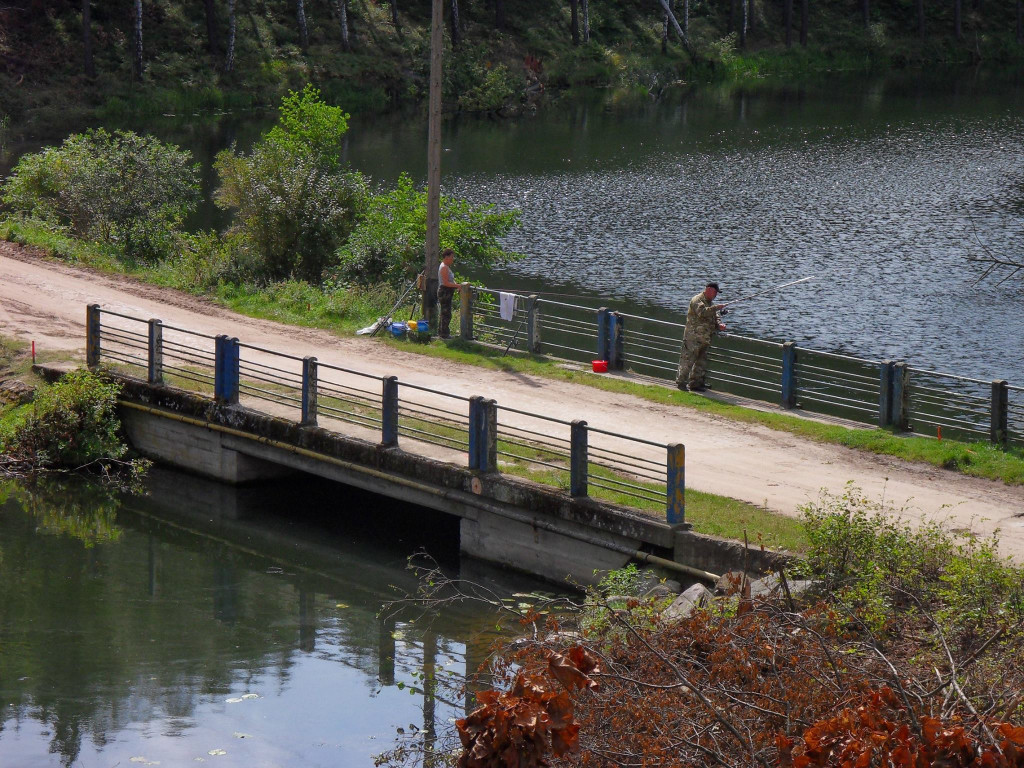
(128, 191)
(294, 203)
(389, 239)
(875, 562)
(479, 84)
(70, 424)
(5, 131)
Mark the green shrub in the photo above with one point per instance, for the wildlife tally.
(70, 424)
(479, 85)
(389, 239)
(121, 189)
(295, 204)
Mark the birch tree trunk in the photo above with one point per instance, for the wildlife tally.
(743, 23)
(686, 17)
(455, 24)
(90, 66)
(229, 61)
(341, 11)
(300, 14)
(677, 29)
(586, 20)
(137, 58)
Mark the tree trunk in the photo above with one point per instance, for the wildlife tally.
(229, 61)
(137, 19)
(920, 19)
(574, 21)
(586, 20)
(805, 13)
(300, 15)
(677, 29)
(686, 17)
(394, 17)
(787, 21)
(341, 11)
(212, 43)
(90, 66)
(499, 14)
(455, 24)
(865, 12)
(664, 34)
(957, 26)
(743, 23)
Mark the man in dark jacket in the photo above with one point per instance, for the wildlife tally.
(701, 323)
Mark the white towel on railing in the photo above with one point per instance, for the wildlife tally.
(507, 304)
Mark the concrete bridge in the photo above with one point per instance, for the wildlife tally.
(457, 466)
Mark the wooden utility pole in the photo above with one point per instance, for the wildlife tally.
(433, 165)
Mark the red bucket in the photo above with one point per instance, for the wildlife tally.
(600, 366)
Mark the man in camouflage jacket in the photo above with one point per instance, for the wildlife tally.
(701, 322)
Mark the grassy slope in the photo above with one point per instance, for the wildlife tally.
(41, 53)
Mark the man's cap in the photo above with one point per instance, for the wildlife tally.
(713, 285)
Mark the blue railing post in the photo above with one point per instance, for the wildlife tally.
(309, 391)
(602, 333)
(675, 484)
(900, 396)
(789, 375)
(1000, 411)
(155, 348)
(532, 325)
(616, 341)
(578, 459)
(475, 417)
(885, 376)
(226, 364)
(389, 411)
(92, 335)
(466, 312)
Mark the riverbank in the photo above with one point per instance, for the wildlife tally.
(45, 300)
(495, 62)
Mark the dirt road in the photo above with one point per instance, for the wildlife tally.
(45, 302)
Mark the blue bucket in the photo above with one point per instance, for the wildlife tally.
(423, 326)
(399, 329)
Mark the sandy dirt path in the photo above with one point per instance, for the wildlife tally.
(45, 301)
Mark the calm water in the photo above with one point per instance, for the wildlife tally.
(881, 190)
(196, 625)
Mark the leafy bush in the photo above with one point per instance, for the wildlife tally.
(70, 424)
(389, 239)
(295, 202)
(478, 84)
(118, 188)
(875, 562)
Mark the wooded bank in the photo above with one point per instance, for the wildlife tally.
(372, 54)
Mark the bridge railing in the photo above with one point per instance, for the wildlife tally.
(473, 431)
(886, 393)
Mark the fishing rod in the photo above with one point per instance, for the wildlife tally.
(768, 290)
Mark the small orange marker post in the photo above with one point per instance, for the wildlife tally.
(938, 433)
(33, 352)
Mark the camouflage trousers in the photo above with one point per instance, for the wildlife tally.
(444, 298)
(693, 362)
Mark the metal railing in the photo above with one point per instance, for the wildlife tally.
(473, 431)
(882, 392)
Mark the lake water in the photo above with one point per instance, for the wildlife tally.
(880, 189)
(197, 625)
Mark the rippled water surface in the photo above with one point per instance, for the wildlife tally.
(882, 191)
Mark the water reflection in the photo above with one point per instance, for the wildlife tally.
(204, 621)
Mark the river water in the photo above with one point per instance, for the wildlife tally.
(880, 189)
(196, 625)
